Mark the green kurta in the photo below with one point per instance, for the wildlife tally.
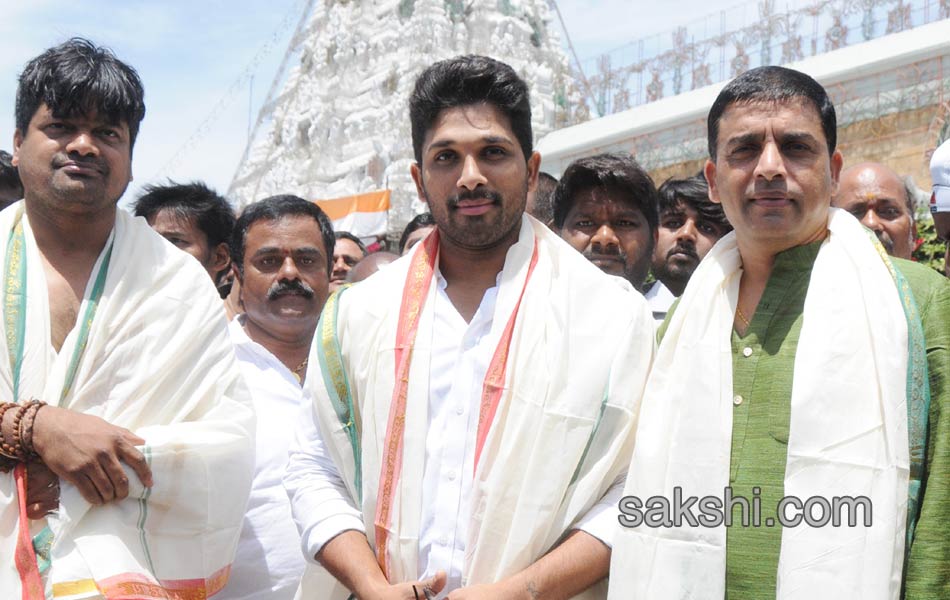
(763, 361)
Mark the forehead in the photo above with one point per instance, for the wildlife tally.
(465, 123)
(286, 233)
(871, 181)
(167, 220)
(603, 200)
(345, 246)
(794, 114)
(680, 207)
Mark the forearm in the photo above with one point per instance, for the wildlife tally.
(349, 558)
(579, 562)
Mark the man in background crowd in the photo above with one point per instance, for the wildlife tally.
(541, 200)
(194, 218)
(605, 207)
(879, 198)
(370, 264)
(347, 251)
(11, 189)
(416, 230)
(281, 248)
(940, 199)
(690, 224)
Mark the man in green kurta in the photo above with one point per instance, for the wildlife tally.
(801, 363)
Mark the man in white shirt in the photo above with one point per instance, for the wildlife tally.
(282, 247)
(474, 403)
(690, 225)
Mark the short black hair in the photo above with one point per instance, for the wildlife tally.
(468, 80)
(618, 171)
(346, 235)
(770, 85)
(694, 193)
(77, 78)
(418, 222)
(195, 201)
(275, 208)
(9, 175)
(544, 198)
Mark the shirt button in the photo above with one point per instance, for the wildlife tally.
(452, 475)
(737, 400)
(459, 409)
(747, 352)
(443, 541)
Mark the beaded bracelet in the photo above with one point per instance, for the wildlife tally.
(26, 428)
(6, 449)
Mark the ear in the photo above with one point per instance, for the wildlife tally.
(709, 170)
(236, 272)
(534, 169)
(17, 140)
(220, 257)
(836, 163)
(416, 171)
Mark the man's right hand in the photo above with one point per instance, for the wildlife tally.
(415, 590)
(86, 451)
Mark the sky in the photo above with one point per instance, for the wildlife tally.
(207, 64)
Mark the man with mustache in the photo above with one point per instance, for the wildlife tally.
(877, 197)
(605, 207)
(118, 376)
(690, 224)
(804, 372)
(475, 401)
(281, 249)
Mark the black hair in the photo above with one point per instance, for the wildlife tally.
(418, 222)
(9, 175)
(544, 198)
(464, 81)
(617, 171)
(346, 235)
(77, 78)
(194, 201)
(694, 193)
(276, 208)
(771, 85)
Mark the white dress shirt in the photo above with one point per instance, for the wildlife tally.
(660, 299)
(461, 353)
(268, 564)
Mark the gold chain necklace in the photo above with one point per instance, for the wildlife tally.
(741, 316)
(300, 370)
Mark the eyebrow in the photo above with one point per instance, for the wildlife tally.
(488, 139)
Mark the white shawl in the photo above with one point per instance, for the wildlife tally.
(581, 350)
(847, 437)
(160, 363)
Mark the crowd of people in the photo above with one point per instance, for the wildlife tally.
(532, 396)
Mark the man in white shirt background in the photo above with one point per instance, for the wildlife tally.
(282, 247)
(690, 225)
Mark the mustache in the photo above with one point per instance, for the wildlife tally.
(687, 249)
(475, 194)
(618, 254)
(289, 287)
(61, 160)
(885, 240)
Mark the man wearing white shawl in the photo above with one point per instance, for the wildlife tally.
(147, 425)
(474, 403)
(803, 363)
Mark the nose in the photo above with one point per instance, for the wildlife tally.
(288, 270)
(687, 231)
(871, 221)
(604, 238)
(83, 144)
(471, 176)
(770, 165)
